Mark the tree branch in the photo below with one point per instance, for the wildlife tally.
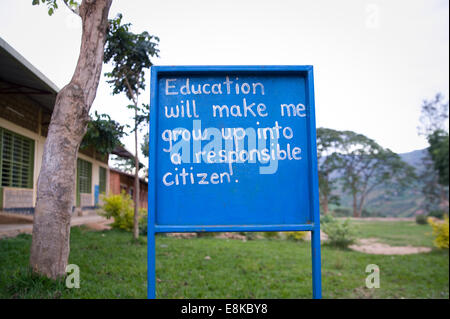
(130, 90)
(75, 10)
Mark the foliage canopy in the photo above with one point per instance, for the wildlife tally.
(103, 133)
(130, 55)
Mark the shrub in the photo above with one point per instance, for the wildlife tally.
(249, 235)
(340, 233)
(121, 208)
(342, 212)
(143, 221)
(372, 213)
(436, 213)
(421, 219)
(271, 234)
(296, 235)
(326, 219)
(440, 232)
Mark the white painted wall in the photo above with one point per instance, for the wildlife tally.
(39, 142)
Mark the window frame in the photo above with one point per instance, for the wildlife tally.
(80, 169)
(29, 184)
(102, 188)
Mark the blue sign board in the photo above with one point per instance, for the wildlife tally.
(233, 148)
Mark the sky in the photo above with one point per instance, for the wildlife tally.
(374, 61)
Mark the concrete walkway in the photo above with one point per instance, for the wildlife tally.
(12, 230)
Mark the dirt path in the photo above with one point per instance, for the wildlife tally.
(94, 221)
(372, 246)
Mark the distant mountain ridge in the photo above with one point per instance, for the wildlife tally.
(414, 158)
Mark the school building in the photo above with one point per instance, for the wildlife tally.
(27, 99)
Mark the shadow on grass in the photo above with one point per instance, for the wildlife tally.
(338, 246)
(23, 283)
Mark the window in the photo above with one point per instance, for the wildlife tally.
(84, 171)
(131, 191)
(16, 160)
(102, 180)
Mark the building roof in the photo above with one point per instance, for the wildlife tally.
(142, 179)
(121, 151)
(18, 76)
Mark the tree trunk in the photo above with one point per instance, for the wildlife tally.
(359, 212)
(325, 204)
(355, 206)
(361, 205)
(56, 184)
(136, 183)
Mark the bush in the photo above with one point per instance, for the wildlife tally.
(421, 219)
(121, 208)
(249, 235)
(440, 232)
(436, 213)
(342, 212)
(340, 233)
(371, 213)
(143, 221)
(326, 219)
(271, 234)
(296, 235)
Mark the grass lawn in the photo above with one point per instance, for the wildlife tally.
(112, 266)
(395, 233)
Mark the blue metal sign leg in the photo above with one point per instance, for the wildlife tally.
(316, 273)
(151, 274)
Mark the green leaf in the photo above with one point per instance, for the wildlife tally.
(104, 133)
(130, 54)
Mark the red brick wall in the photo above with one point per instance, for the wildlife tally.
(117, 179)
(114, 182)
